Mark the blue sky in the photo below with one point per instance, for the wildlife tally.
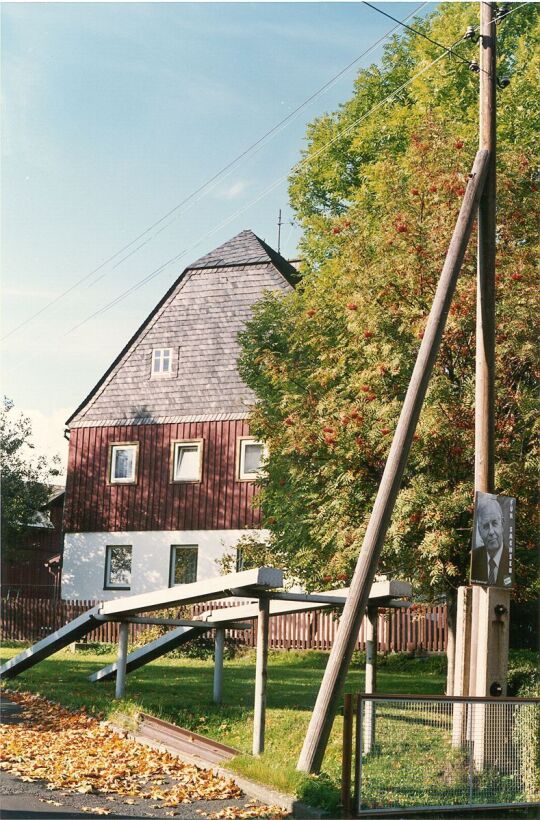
(114, 113)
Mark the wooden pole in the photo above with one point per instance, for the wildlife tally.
(261, 675)
(338, 664)
(484, 462)
(123, 635)
(492, 632)
(219, 645)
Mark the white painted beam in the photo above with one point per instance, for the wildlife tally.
(52, 643)
(381, 593)
(212, 588)
(162, 621)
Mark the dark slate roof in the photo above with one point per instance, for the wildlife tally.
(245, 249)
(199, 318)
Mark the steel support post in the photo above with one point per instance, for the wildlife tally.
(372, 617)
(219, 646)
(123, 637)
(261, 675)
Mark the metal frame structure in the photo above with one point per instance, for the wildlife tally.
(250, 581)
(258, 585)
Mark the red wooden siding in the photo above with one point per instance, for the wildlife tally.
(219, 501)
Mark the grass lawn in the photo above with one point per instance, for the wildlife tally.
(180, 690)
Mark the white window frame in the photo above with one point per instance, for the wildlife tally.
(176, 445)
(172, 567)
(160, 373)
(123, 445)
(241, 474)
(108, 553)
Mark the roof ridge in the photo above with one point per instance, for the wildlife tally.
(245, 248)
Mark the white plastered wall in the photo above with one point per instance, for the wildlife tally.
(83, 572)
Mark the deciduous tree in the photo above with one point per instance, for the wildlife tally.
(26, 478)
(377, 197)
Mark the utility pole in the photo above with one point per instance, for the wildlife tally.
(484, 461)
(279, 224)
(340, 657)
(488, 677)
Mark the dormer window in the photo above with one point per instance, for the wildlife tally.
(162, 361)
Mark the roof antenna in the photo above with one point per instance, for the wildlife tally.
(279, 224)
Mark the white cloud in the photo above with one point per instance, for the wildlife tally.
(232, 191)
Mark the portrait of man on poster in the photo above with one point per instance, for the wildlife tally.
(493, 541)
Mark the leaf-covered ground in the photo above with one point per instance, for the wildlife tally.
(72, 751)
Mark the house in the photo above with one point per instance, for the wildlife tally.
(162, 467)
(30, 568)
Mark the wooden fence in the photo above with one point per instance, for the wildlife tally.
(399, 630)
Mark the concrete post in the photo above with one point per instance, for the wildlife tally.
(261, 675)
(462, 665)
(371, 677)
(491, 736)
(219, 645)
(123, 637)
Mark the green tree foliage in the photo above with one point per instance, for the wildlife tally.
(330, 363)
(26, 479)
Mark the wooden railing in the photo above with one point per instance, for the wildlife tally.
(399, 630)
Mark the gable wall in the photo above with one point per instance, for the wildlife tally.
(200, 320)
(218, 502)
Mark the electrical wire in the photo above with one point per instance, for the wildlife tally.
(419, 33)
(271, 187)
(206, 185)
(266, 191)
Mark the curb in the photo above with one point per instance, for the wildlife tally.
(251, 788)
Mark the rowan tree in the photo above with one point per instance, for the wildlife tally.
(378, 197)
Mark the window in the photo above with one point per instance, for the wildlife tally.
(183, 564)
(242, 562)
(123, 468)
(251, 456)
(118, 567)
(162, 361)
(186, 460)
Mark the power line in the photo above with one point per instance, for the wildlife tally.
(419, 33)
(251, 148)
(271, 187)
(266, 191)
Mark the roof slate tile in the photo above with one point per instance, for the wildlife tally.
(199, 318)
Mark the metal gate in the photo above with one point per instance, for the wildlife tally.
(421, 753)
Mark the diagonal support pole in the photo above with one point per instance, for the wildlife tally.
(340, 657)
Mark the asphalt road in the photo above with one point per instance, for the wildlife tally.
(28, 800)
(32, 800)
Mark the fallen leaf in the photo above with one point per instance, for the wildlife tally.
(75, 753)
